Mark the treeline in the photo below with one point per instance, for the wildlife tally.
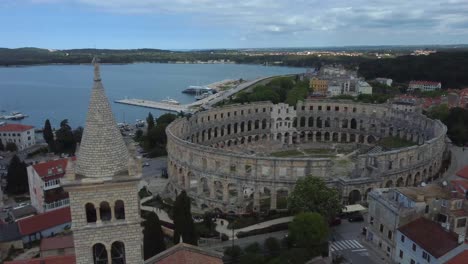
(450, 68)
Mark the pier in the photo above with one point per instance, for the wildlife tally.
(155, 105)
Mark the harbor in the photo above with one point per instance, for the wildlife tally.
(155, 105)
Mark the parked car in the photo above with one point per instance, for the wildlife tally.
(356, 218)
(146, 164)
(334, 222)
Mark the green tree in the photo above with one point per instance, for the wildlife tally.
(311, 194)
(183, 221)
(457, 125)
(17, 177)
(11, 146)
(65, 140)
(150, 121)
(2, 147)
(272, 245)
(138, 135)
(166, 119)
(47, 133)
(308, 230)
(440, 112)
(233, 253)
(153, 237)
(78, 134)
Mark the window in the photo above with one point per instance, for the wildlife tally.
(414, 247)
(90, 213)
(100, 254)
(119, 209)
(381, 228)
(389, 234)
(328, 108)
(426, 211)
(118, 252)
(402, 238)
(401, 254)
(105, 211)
(371, 220)
(320, 108)
(461, 222)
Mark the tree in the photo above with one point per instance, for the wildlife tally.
(166, 119)
(2, 147)
(65, 140)
(272, 245)
(150, 121)
(311, 194)
(233, 252)
(153, 238)
(308, 230)
(47, 133)
(183, 221)
(17, 177)
(78, 134)
(11, 146)
(138, 135)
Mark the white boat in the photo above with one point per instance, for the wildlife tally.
(15, 116)
(170, 101)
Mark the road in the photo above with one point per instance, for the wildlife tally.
(243, 242)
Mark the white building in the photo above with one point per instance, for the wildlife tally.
(44, 185)
(425, 241)
(424, 86)
(334, 89)
(364, 88)
(385, 81)
(21, 135)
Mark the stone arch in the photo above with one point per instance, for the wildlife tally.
(354, 197)
(204, 187)
(389, 184)
(327, 122)
(353, 124)
(209, 133)
(302, 121)
(118, 252)
(233, 192)
(319, 122)
(264, 124)
(218, 189)
(236, 125)
(282, 198)
(119, 209)
(265, 199)
(409, 180)
(417, 179)
(335, 137)
(311, 121)
(257, 124)
(100, 254)
(228, 129)
(371, 139)
(90, 210)
(361, 139)
(400, 182)
(105, 211)
(367, 193)
(327, 136)
(242, 126)
(249, 125)
(352, 137)
(344, 123)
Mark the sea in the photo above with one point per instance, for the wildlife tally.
(58, 92)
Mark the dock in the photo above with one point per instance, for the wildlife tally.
(155, 105)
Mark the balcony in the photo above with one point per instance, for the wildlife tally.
(56, 204)
(52, 184)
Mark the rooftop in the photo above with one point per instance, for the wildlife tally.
(57, 242)
(461, 258)
(51, 169)
(24, 211)
(9, 232)
(68, 259)
(425, 82)
(186, 254)
(15, 128)
(34, 224)
(421, 194)
(421, 229)
(463, 172)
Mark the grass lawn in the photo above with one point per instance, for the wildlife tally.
(287, 153)
(394, 142)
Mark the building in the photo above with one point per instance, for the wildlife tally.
(391, 208)
(57, 246)
(424, 86)
(425, 241)
(385, 81)
(48, 224)
(364, 87)
(103, 189)
(406, 104)
(44, 185)
(9, 237)
(335, 89)
(333, 70)
(67, 259)
(23, 136)
(319, 86)
(21, 212)
(186, 254)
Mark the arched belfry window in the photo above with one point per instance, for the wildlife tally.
(105, 211)
(90, 213)
(100, 254)
(119, 209)
(118, 252)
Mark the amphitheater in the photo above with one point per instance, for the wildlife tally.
(242, 158)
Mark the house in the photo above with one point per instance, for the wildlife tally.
(424, 86)
(68, 259)
(57, 246)
(391, 208)
(22, 135)
(9, 237)
(186, 254)
(364, 88)
(44, 185)
(319, 86)
(425, 241)
(44, 225)
(385, 81)
(21, 212)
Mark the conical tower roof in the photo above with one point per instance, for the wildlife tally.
(102, 153)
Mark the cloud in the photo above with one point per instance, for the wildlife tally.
(251, 18)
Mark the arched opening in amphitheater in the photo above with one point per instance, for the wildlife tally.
(248, 157)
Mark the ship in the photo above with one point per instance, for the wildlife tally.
(193, 89)
(15, 116)
(170, 101)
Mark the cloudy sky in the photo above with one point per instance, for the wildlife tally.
(194, 24)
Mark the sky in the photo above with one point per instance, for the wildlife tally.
(204, 24)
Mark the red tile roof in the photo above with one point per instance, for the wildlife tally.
(421, 229)
(461, 258)
(15, 128)
(186, 254)
(68, 259)
(463, 172)
(424, 83)
(57, 242)
(461, 186)
(42, 169)
(34, 224)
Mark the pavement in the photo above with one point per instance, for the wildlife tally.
(245, 241)
(221, 226)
